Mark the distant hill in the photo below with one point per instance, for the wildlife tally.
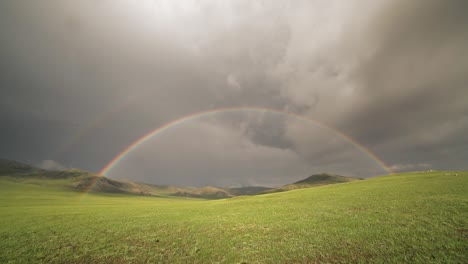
(324, 178)
(101, 184)
(79, 180)
(313, 181)
(208, 192)
(14, 167)
(248, 190)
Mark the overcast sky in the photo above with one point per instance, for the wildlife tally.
(81, 80)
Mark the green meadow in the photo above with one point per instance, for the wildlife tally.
(413, 217)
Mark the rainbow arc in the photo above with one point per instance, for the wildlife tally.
(145, 138)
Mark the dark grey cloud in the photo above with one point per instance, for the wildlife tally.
(413, 94)
(81, 83)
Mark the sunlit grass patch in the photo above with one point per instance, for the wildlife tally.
(413, 217)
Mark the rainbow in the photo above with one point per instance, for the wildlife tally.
(142, 140)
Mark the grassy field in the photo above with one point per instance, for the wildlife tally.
(413, 217)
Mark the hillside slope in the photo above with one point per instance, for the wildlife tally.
(68, 179)
(84, 181)
(8, 167)
(314, 181)
(403, 218)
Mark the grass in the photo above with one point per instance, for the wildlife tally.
(412, 217)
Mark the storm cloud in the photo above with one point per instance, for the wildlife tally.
(82, 80)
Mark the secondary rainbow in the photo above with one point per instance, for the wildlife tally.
(142, 140)
(91, 126)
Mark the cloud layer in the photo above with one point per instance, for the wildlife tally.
(82, 83)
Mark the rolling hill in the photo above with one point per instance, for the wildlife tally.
(9, 167)
(79, 180)
(416, 217)
(247, 190)
(314, 181)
